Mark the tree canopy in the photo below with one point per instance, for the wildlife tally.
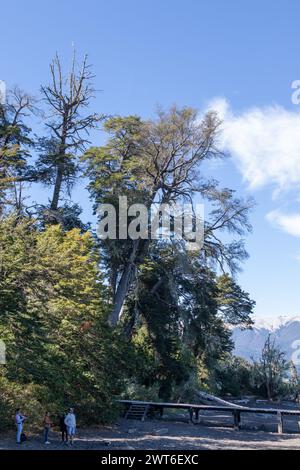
(86, 320)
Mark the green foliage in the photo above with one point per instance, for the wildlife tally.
(271, 372)
(159, 161)
(177, 328)
(135, 391)
(233, 375)
(234, 303)
(60, 350)
(15, 145)
(59, 284)
(28, 397)
(294, 382)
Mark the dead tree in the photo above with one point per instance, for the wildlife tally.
(66, 99)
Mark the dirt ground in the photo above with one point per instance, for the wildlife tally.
(174, 433)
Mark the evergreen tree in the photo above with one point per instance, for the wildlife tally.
(15, 145)
(176, 304)
(60, 350)
(271, 371)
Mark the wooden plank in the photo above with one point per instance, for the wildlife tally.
(188, 406)
(193, 408)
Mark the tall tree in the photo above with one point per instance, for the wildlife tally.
(271, 369)
(66, 98)
(178, 302)
(159, 161)
(15, 144)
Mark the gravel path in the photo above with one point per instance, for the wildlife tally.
(164, 434)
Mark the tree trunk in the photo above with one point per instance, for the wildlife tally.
(60, 166)
(123, 286)
(268, 385)
(120, 295)
(57, 188)
(139, 249)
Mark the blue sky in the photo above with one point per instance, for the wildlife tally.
(242, 56)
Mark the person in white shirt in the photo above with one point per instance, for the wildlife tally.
(70, 422)
(19, 419)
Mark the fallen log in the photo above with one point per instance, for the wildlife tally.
(208, 399)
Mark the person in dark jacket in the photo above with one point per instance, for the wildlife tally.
(63, 428)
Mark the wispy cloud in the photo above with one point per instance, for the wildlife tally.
(289, 223)
(264, 143)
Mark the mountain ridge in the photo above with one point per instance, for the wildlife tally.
(285, 330)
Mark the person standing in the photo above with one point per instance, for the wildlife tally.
(70, 422)
(47, 426)
(19, 419)
(63, 428)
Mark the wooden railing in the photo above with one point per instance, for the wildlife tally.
(194, 409)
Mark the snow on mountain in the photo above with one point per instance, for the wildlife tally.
(275, 322)
(285, 330)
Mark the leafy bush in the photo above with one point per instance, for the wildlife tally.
(60, 350)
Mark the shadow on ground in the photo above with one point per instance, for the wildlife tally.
(163, 434)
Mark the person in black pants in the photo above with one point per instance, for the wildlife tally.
(63, 428)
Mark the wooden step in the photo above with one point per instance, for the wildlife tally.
(137, 412)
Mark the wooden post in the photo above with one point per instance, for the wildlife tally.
(236, 419)
(279, 423)
(197, 415)
(161, 411)
(191, 412)
(146, 409)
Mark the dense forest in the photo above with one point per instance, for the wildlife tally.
(86, 320)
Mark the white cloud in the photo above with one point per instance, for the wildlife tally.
(264, 143)
(265, 146)
(289, 223)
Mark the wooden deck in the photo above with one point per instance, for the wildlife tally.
(194, 409)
